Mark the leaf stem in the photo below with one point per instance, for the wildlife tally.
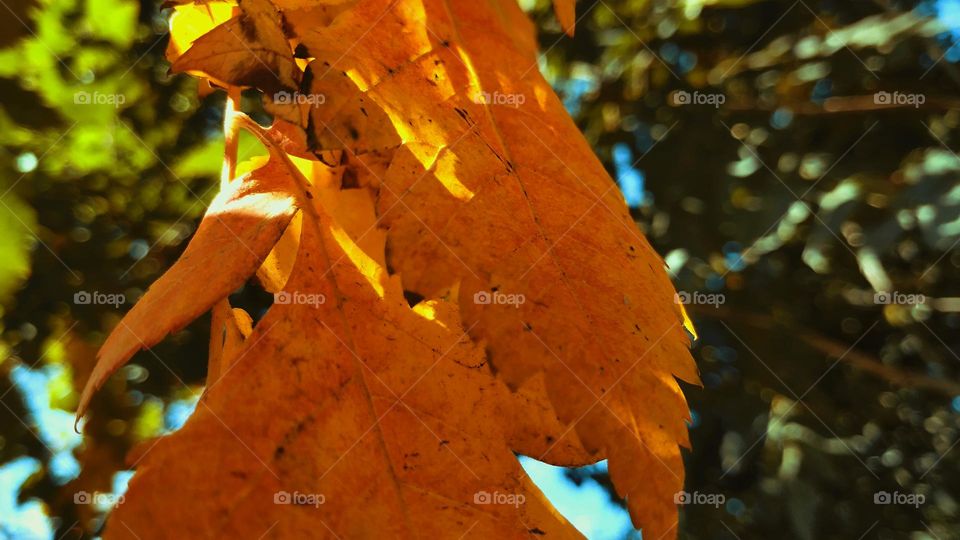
(231, 131)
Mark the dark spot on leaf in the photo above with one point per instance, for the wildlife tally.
(260, 76)
(285, 27)
(312, 143)
(349, 180)
(248, 27)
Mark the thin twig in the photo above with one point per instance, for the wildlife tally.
(835, 348)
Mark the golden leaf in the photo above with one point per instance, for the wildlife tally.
(239, 230)
(346, 414)
(247, 50)
(566, 11)
(494, 187)
(425, 125)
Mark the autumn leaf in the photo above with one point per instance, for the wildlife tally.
(382, 423)
(239, 230)
(566, 14)
(247, 50)
(189, 22)
(229, 328)
(428, 158)
(478, 193)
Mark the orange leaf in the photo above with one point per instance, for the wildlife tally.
(228, 329)
(493, 186)
(241, 226)
(566, 11)
(381, 424)
(248, 50)
(489, 196)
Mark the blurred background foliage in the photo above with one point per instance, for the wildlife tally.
(798, 199)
